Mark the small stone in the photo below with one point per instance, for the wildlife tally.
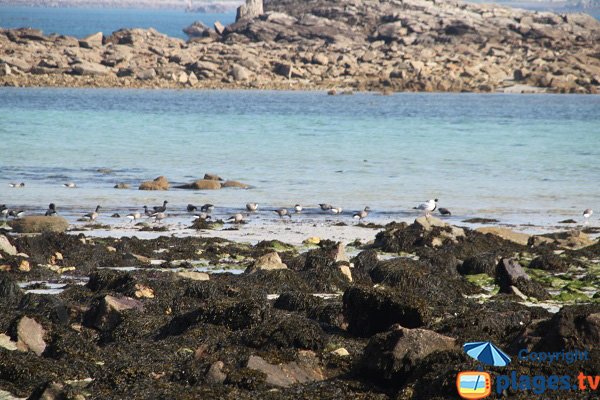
(111, 249)
(341, 352)
(312, 240)
(192, 79)
(267, 262)
(345, 270)
(215, 374)
(194, 275)
(24, 266)
(142, 291)
(6, 343)
(219, 28)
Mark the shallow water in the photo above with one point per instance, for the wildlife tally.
(519, 158)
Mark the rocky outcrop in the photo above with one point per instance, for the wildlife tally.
(160, 183)
(39, 223)
(412, 45)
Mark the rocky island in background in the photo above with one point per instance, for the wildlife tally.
(402, 45)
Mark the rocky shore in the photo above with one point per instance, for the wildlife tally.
(401, 45)
(386, 319)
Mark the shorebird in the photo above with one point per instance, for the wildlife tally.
(16, 213)
(283, 212)
(587, 213)
(298, 208)
(236, 219)
(3, 210)
(207, 208)
(325, 207)
(336, 210)
(51, 211)
(93, 215)
(161, 209)
(134, 216)
(252, 207)
(16, 185)
(362, 214)
(444, 211)
(191, 208)
(70, 185)
(428, 207)
(159, 216)
(203, 216)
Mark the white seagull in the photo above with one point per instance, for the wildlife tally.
(428, 206)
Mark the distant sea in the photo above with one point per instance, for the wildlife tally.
(517, 158)
(80, 22)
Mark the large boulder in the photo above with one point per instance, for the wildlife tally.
(252, 9)
(506, 234)
(267, 262)
(88, 68)
(6, 247)
(91, 41)
(287, 374)
(202, 184)
(39, 224)
(391, 355)
(160, 183)
(573, 327)
(235, 184)
(510, 274)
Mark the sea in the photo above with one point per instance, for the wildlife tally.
(522, 159)
(81, 22)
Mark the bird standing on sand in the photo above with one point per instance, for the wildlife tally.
(17, 185)
(70, 185)
(428, 207)
(362, 214)
(336, 210)
(51, 211)
(252, 207)
(298, 208)
(93, 215)
(16, 213)
(147, 212)
(587, 213)
(191, 208)
(134, 216)
(444, 211)
(207, 208)
(159, 216)
(161, 209)
(325, 206)
(283, 212)
(236, 219)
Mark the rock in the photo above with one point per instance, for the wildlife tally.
(142, 291)
(573, 327)
(312, 240)
(285, 375)
(215, 374)
(194, 275)
(506, 234)
(196, 29)
(88, 68)
(107, 312)
(510, 273)
(240, 73)
(202, 184)
(213, 177)
(252, 9)
(10, 292)
(428, 223)
(550, 262)
(345, 270)
(573, 240)
(219, 28)
(182, 78)
(192, 79)
(391, 355)
(122, 185)
(484, 263)
(30, 336)
(341, 352)
(6, 247)
(24, 266)
(160, 183)
(7, 344)
(39, 224)
(284, 69)
(235, 184)
(15, 62)
(91, 41)
(145, 74)
(5, 70)
(320, 59)
(372, 310)
(267, 262)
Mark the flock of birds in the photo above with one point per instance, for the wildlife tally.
(159, 212)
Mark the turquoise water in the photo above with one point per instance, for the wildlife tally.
(524, 158)
(80, 22)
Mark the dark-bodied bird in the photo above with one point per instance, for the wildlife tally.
(283, 212)
(191, 208)
(362, 214)
(16, 213)
(429, 206)
(236, 219)
(93, 215)
(325, 207)
(444, 211)
(252, 207)
(161, 209)
(147, 212)
(202, 215)
(207, 208)
(51, 211)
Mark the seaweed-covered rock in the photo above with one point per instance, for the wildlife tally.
(511, 274)
(549, 262)
(297, 301)
(10, 292)
(573, 327)
(391, 355)
(284, 375)
(107, 312)
(286, 331)
(485, 263)
(111, 280)
(372, 310)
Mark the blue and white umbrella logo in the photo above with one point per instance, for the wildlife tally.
(487, 353)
